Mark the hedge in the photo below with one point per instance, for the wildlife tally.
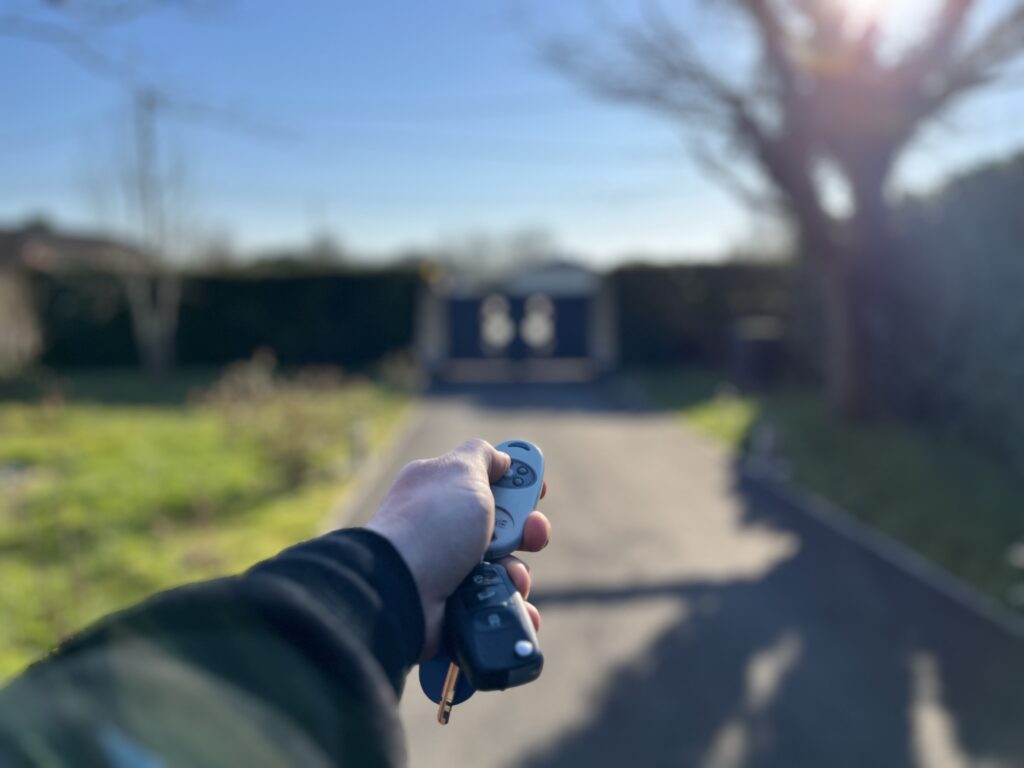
(958, 320)
(348, 319)
(687, 313)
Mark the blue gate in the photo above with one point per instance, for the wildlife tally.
(518, 328)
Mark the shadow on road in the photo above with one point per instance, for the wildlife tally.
(562, 398)
(834, 658)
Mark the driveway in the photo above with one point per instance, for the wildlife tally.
(693, 619)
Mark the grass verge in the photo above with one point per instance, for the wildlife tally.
(104, 501)
(954, 504)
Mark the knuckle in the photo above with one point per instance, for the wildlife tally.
(475, 445)
(416, 468)
(483, 500)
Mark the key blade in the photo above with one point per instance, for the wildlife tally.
(444, 712)
(444, 708)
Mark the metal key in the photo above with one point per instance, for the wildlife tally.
(444, 709)
(443, 682)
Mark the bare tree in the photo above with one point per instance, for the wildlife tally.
(20, 339)
(72, 27)
(152, 287)
(150, 185)
(823, 91)
(138, 187)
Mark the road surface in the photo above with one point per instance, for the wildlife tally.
(692, 619)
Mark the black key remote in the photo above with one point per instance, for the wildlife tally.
(489, 633)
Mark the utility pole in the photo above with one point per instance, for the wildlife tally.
(153, 289)
(146, 158)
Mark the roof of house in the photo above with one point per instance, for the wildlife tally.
(42, 249)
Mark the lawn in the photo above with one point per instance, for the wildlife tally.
(112, 487)
(955, 504)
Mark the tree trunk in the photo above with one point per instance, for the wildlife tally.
(848, 263)
(847, 382)
(153, 302)
(831, 325)
(835, 314)
(857, 297)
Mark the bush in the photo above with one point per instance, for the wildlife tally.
(285, 418)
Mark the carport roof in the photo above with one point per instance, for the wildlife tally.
(558, 278)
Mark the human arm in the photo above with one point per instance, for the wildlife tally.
(298, 661)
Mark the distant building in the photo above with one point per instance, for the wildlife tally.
(553, 322)
(39, 248)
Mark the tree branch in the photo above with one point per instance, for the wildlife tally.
(999, 45)
(728, 178)
(71, 44)
(932, 53)
(111, 12)
(978, 65)
(774, 44)
(658, 67)
(80, 50)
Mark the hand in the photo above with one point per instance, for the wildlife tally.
(439, 515)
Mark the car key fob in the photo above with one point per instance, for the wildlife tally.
(488, 632)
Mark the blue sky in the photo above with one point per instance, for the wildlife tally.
(404, 124)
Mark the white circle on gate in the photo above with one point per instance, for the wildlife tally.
(496, 327)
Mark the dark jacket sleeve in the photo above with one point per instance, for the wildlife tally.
(299, 661)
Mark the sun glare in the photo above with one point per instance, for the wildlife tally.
(864, 12)
(898, 19)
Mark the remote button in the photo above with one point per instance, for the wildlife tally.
(480, 597)
(502, 520)
(519, 475)
(492, 620)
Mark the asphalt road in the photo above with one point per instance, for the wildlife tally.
(693, 619)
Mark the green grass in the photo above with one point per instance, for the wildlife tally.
(953, 503)
(102, 504)
(111, 386)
